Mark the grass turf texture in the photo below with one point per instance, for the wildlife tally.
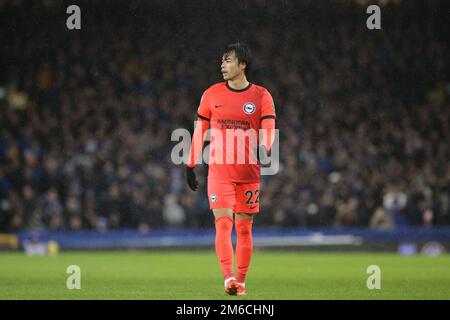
(196, 275)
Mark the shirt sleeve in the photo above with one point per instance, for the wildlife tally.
(204, 109)
(267, 106)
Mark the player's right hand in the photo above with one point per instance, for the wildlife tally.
(191, 178)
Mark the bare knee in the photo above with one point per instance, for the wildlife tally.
(223, 212)
(244, 216)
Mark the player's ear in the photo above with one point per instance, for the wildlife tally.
(243, 66)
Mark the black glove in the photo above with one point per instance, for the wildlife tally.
(191, 178)
(261, 153)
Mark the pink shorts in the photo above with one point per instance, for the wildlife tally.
(240, 197)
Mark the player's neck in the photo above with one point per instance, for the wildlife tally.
(238, 83)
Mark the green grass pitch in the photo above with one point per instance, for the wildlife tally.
(195, 275)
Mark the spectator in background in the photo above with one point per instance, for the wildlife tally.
(381, 220)
(395, 202)
(173, 213)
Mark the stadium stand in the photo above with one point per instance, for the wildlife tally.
(86, 116)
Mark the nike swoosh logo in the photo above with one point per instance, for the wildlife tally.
(253, 207)
(219, 105)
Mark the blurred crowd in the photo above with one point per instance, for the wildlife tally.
(87, 115)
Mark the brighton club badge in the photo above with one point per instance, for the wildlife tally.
(249, 108)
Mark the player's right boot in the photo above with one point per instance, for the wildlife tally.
(231, 286)
(241, 289)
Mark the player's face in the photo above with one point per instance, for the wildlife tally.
(230, 67)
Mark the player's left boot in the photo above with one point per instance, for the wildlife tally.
(241, 289)
(231, 286)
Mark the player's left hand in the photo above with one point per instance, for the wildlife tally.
(262, 154)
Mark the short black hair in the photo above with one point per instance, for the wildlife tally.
(242, 52)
